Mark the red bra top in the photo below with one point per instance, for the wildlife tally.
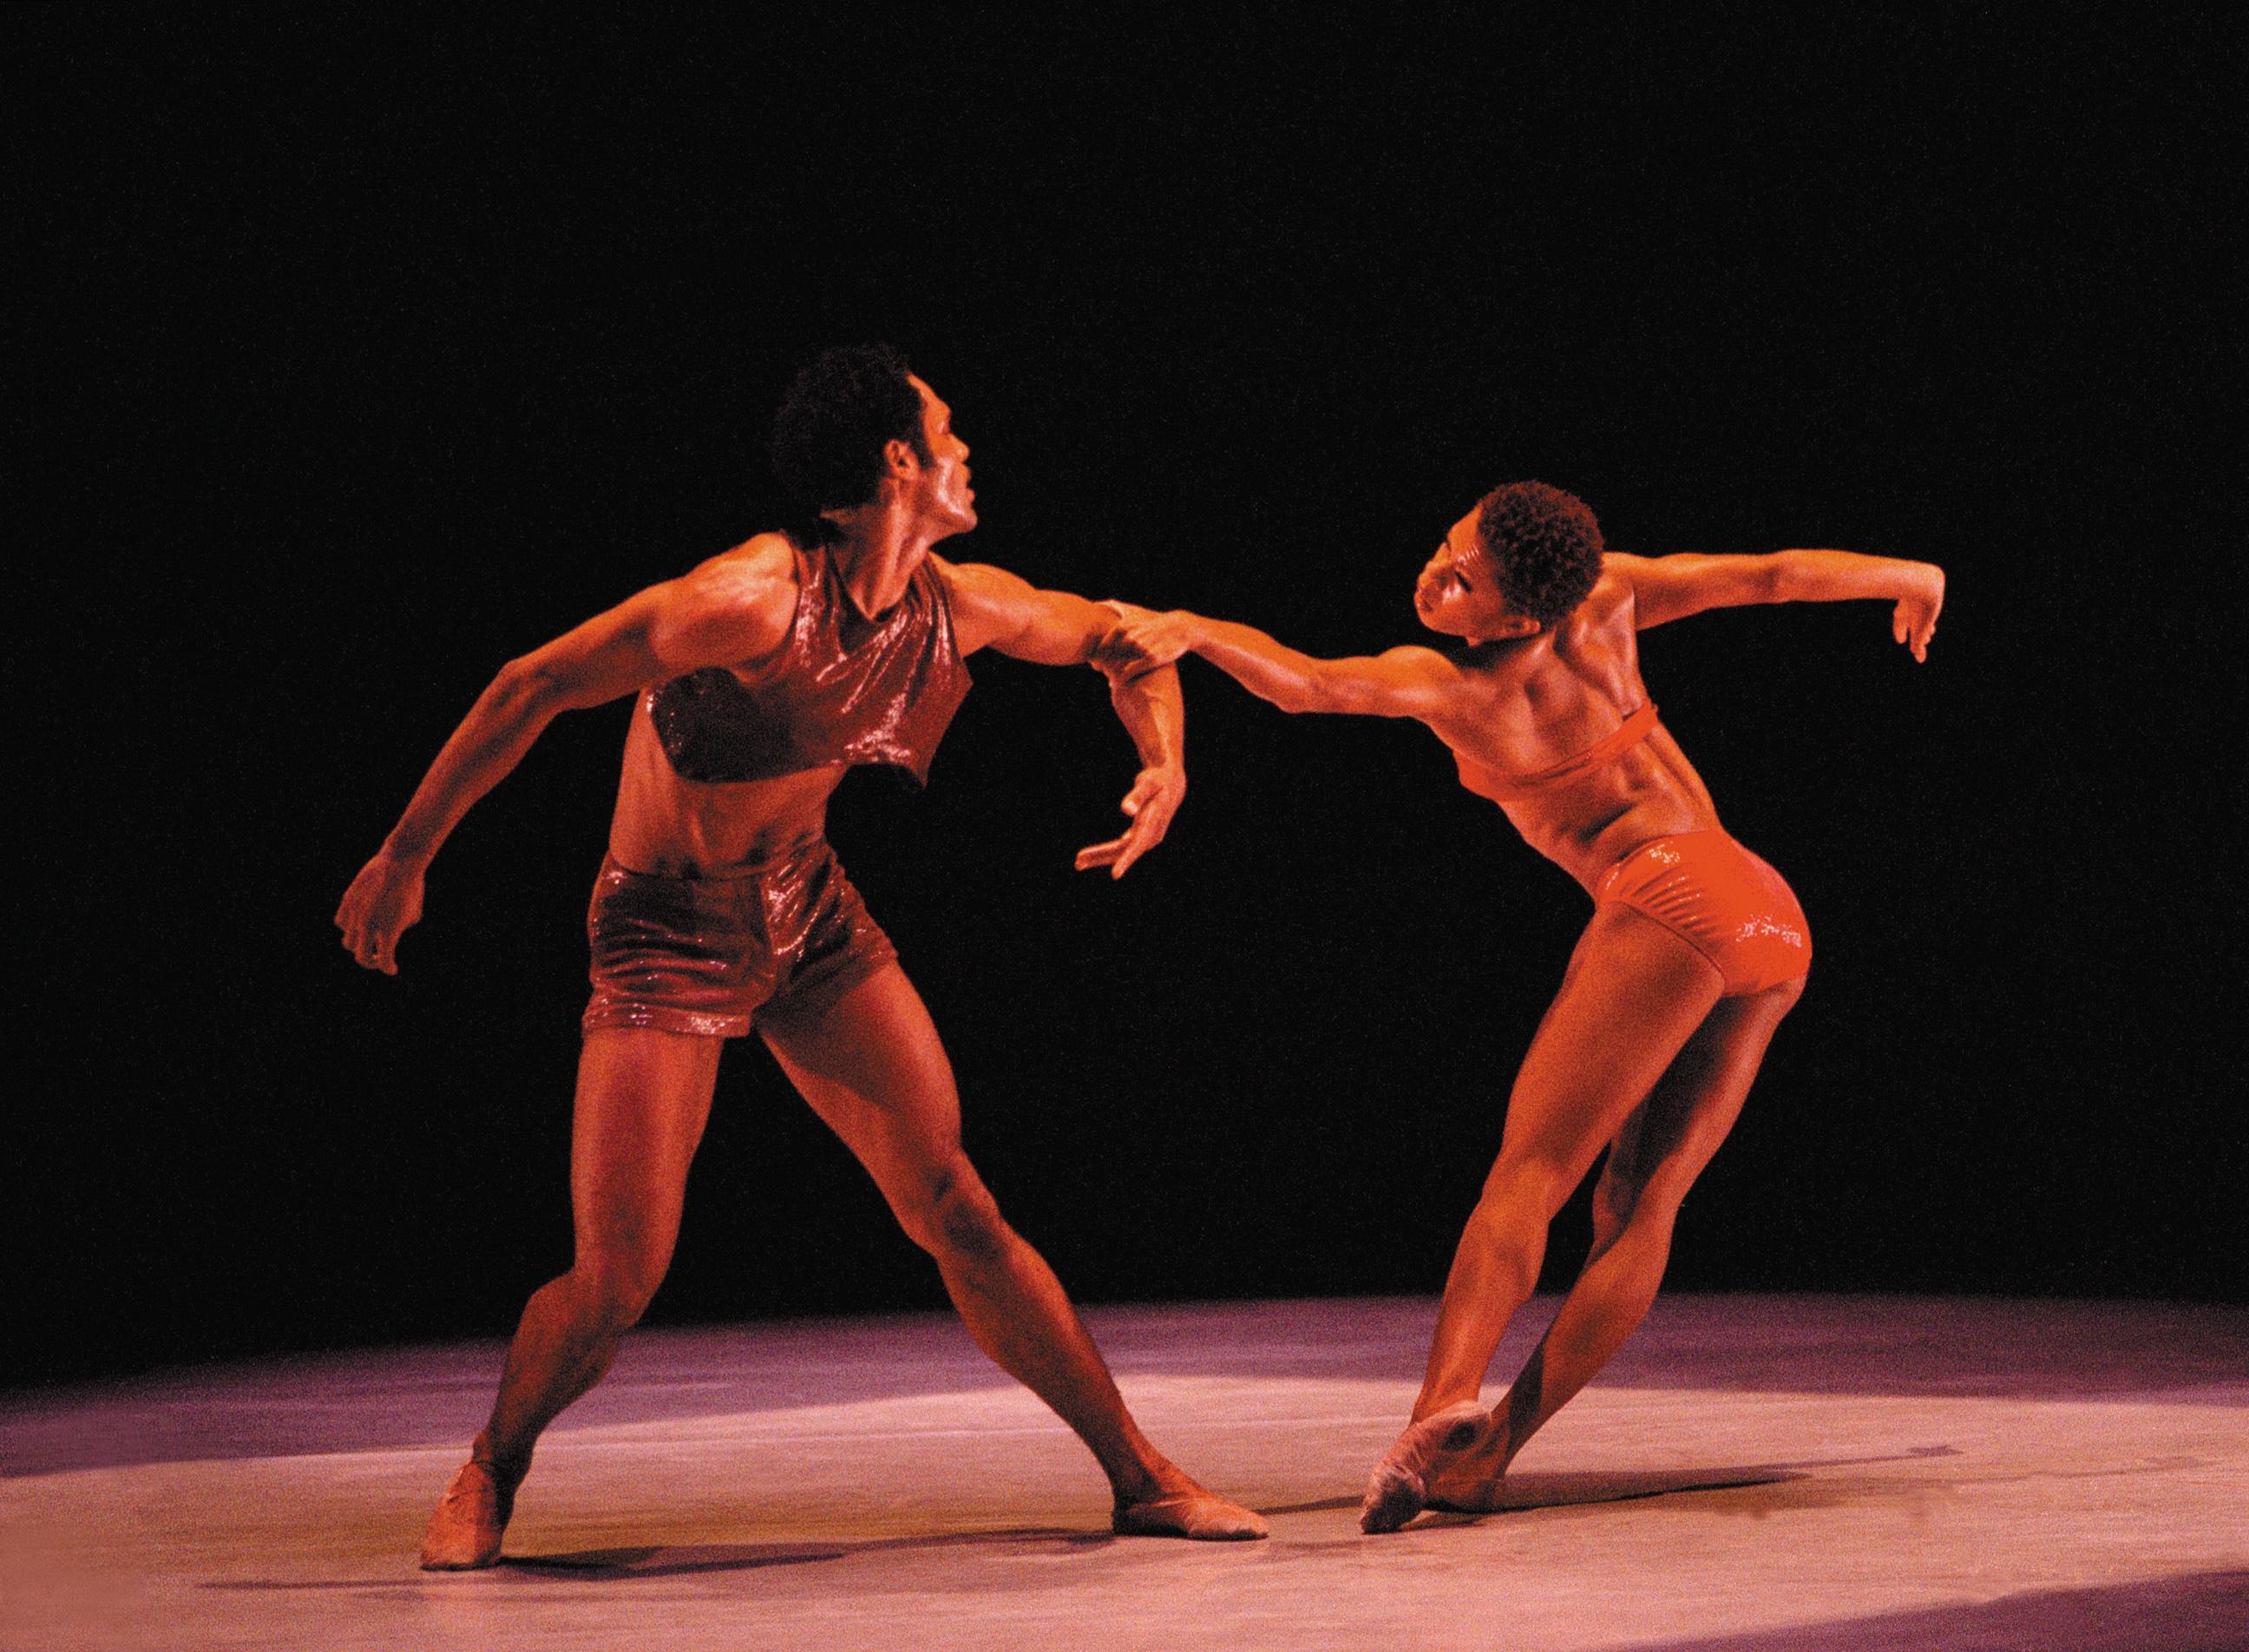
(844, 689)
(1509, 789)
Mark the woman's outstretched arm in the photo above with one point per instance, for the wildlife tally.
(1670, 587)
(1402, 682)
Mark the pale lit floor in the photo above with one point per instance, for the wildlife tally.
(1755, 1472)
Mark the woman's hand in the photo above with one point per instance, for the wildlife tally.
(1145, 640)
(1913, 621)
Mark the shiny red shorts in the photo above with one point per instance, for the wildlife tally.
(1722, 900)
(704, 955)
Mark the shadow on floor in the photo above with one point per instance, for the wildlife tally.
(1521, 1492)
(639, 1564)
(2206, 1612)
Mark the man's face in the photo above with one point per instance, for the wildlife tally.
(1456, 593)
(941, 490)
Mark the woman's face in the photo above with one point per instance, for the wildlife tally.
(1457, 594)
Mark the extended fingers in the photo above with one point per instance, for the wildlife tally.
(1913, 626)
(1094, 855)
(1142, 835)
(1118, 853)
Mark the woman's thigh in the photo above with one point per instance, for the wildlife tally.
(1633, 996)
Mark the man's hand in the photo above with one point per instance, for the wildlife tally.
(1155, 797)
(1913, 621)
(1144, 640)
(383, 902)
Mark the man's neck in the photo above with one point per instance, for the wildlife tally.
(875, 555)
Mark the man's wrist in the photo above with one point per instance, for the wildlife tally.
(403, 853)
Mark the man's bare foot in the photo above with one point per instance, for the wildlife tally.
(1192, 1513)
(1397, 1489)
(465, 1527)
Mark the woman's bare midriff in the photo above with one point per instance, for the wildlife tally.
(1587, 825)
(687, 829)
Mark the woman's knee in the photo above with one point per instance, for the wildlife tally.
(1524, 1191)
(1511, 1217)
(1615, 1197)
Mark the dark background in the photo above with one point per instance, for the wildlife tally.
(361, 353)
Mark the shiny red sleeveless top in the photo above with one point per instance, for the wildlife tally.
(842, 690)
(1510, 788)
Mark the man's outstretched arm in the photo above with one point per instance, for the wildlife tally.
(724, 613)
(994, 609)
(1401, 682)
(1670, 587)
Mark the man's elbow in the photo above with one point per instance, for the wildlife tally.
(529, 689)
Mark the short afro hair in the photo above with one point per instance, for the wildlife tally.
(840, 411)
(1543, 546)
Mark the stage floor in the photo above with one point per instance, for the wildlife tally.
(1754, 1472)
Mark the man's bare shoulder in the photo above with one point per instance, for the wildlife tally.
(971, 581)
(758, 574)
(988, 603)
(731, 607)
(761, 561)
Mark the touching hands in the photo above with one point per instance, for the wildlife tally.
(1155, 797)
(383, 902)
(1913, 621)
(1145, 640)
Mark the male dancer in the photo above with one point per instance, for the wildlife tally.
(762, 675)
(1695, 951)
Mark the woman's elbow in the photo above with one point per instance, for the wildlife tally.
(1785, 576)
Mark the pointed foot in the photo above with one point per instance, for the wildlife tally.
(464, 1528)
(1399, 1488)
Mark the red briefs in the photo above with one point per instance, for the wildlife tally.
(704, 955)
(1721, 900)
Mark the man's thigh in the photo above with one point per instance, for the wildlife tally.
(871, 1064)
(644, 1098)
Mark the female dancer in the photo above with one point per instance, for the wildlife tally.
(1695, 951)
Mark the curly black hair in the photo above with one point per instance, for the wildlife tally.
(1543, 546)
(840, 412)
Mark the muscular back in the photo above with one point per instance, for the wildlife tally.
(1529, 704)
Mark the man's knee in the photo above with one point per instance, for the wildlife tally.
(613, 1290)
(955, 1218)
